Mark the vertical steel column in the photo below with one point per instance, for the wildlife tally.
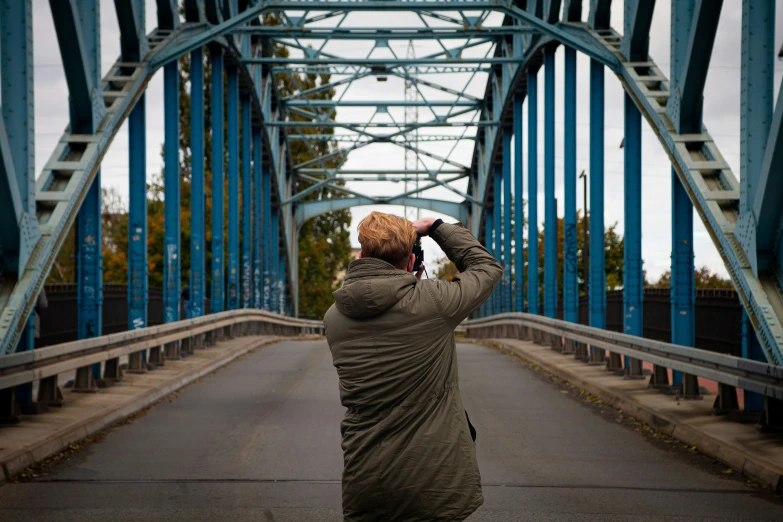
(508, 296)
(233, 187)
(489, 304)
(267, 236)
(137, 216)
(281, 292)
(217, 301)
(550, 203)
(171, 192)
(756, 102)
(258, 232)
(532, 194)
(519, 218)
(633, 279)
(274, 240)
(89, 254)
(682, 292)
(570, 232)
(247, 206)
(597, 255)
(498, 227)
(197, 259)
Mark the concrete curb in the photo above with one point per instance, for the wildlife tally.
(58, 441)
(749, 465)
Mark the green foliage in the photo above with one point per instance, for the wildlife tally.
(703, 277)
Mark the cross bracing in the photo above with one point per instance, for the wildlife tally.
(477, 63)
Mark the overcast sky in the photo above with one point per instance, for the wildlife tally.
(721, 116)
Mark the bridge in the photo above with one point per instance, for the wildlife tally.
(235, 412)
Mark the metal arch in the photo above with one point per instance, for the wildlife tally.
(310, 209)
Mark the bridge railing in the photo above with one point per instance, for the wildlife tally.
(730, 372)
(96, 361)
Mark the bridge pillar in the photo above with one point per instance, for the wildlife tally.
(497, 208)
(570, 232)
(258, 234)
(550, 202)
(197, 236)
(519, 252)
(507, 211)
(275, 261)
(532, 193)
(489, 304)
(171, 206)
(217, 300)
(597, 255)
(247, 205)
(232, 301)
(137, 217)
(633, 277)
(267, 235)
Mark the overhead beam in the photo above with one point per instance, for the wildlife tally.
(636, 38)
(310, 209)
(600, 14)
(194, 10)
(168, 16)
(133, 40)
(687, 101)
(572, 11)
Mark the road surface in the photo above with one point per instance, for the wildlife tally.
(260, 440)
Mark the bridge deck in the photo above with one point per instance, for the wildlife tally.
(259, 440)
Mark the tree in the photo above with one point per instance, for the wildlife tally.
(445, 269)
(703, 277)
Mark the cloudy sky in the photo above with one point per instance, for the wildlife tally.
(721, 115)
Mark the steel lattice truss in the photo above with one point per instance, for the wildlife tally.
(475, 64)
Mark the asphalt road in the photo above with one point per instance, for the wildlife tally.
(259, 440)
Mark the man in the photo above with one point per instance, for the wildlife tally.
(407, 447)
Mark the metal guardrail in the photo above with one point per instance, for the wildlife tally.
(145, 348)
(759, 377)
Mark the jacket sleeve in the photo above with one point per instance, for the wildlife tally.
(479, 273)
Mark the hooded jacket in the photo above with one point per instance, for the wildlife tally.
(408, 453)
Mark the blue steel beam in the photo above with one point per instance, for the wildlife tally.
(633, 278)
(168, 14)
(217, 301)
(508, 295)
(19, 231)
(133, 44)
(197, 218)
(597, 256)
(550, 203)
(489, 304)
(133, 39)
(519, 217)
(193, 10)
(570, 232)
(572, 11)
(600, 14)
(232, 292)
(247, 206)
(682, 291)
(310, 209)
(636, 37)
(213, 11)
(532, 193)
(686, 101)
(171, 204)
(497, 211)
(274, 261)
(137, 217)
(258, 230)
(758, 224)
(266, 189)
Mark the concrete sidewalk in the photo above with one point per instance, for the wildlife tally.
(740, 446)
(38, 437)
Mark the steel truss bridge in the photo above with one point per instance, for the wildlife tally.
(505, 45)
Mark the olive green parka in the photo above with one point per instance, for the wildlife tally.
(408, 453)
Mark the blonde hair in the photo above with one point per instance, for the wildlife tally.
(387, 237)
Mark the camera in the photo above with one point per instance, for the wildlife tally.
(419, 253)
